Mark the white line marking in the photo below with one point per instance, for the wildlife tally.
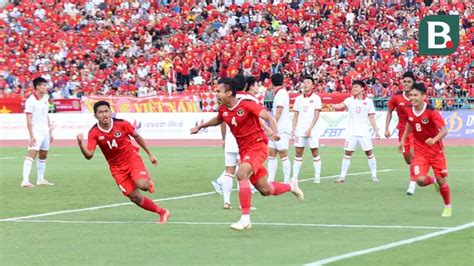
(23, 157)
(227, 223)
(158, 200)
(390, 245)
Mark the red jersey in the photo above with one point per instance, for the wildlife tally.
(400, 102)
(115, 143)
(244, 122)
(426, 125)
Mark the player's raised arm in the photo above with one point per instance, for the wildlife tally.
(87, 153)
(142, 144)
(273, 125)
(211, 123)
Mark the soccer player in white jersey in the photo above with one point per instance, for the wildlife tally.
(39, 129)
(305, 116)
(281, 113)
(361, 111)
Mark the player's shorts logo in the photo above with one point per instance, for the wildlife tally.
(240, 112)
(117, 134)
(424, 121)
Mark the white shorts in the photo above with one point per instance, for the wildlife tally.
(282, 144)
(353, 141)
(231, 158)
(311, 142)
(42, 142)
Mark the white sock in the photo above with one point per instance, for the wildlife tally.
(40, 167)
(297, 166)
(27, 169)
(286, 169)
(372, 165)
(317, 166)
(346, 162)
(272, 168)
(245, 218)
(227, 184)
(221, 178)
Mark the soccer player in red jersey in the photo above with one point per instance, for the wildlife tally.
(113, 137)
(401, 103)
(243, 118)
(428, 129)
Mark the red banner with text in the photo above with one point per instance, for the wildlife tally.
(67, 105)
(154, 104)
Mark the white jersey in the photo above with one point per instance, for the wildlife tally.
(359, 111)
(230, 143)
(39, 109)
(305, 107)
(282, 99)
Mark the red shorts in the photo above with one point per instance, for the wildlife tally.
(420, 165)
(127, 173)
(408, 142)
(256, 157)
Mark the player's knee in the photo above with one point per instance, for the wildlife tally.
(265, 191)
(143, 184)
(135, 198)
(421, 181)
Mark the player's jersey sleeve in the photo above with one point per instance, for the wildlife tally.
(29, 105)
(91, 140)
(219, 113)
(254, 108)
(297, 105)
(392, 104)
(128, 128)
(371, 107)
(437, 119)
(318, 105)
(347, 102)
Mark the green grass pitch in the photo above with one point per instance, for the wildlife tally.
(285, 232)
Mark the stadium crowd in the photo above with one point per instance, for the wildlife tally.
(143, 48)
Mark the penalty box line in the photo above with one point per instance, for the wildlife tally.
(157, 200)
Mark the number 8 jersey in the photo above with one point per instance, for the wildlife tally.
(425, 125)
(115, 143)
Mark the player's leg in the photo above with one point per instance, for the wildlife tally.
(367, 147)
(314, 145)
(41, 162)
(440, 171)
(217, 183)
(349, 148)
(419, 168)
(407, 151)
(245, 196)
(227, 183)
(283, 144)
(27, 164)
(299, 150)
(146, 203)
(272, 161)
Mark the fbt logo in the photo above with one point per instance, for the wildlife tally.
(438, 35)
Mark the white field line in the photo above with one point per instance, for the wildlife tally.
(397, 227)
(390, 245)
(23, 157)
(158, 200)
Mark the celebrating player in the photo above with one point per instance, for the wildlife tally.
(306, 113)
(40, 131)
(242, 117)
(361, 111)
(401, 103)
(113, 137)
(281, 113)
(428, 129)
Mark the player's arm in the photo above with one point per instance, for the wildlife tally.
(142, 144)
(266, 128)
(337, 106)
(404, 137)
(211, 123)
(278, 111)
(387, 123)
(443, 131)
(373, 122)
(86, 152)
(273, 125)
(29, 125)
(223, 133)
(295, 122)
(51, 139)
(313, 123)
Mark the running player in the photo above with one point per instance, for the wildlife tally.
(428, 129)
(130, 174)
(40, 131)
(401, 103)
(361, 111)
(243, 119)
(305, 116)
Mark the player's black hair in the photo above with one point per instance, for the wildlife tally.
(38, 81)
(310, 78)
(409, 74)
(231, 84)
(251, 81)
(100, 103)
(242, 82)
(358, 82)
(277, 79)
(420, 87)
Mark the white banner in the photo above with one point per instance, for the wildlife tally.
(164, 125)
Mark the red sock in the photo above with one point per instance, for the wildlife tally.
(428, 181)
(279, 188)
(245, 196)
(149, 205)
(445, 193)
(412, 175)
